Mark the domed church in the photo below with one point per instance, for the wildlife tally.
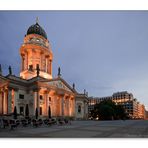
(36, 86)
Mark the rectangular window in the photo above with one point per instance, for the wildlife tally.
(21, 110)
(40, 110)
(21, 96)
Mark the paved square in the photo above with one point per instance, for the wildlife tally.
(83, 129)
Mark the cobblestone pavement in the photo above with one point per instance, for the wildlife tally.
(83, 129)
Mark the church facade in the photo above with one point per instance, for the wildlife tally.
(36, 86)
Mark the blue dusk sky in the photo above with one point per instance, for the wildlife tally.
(100, 51)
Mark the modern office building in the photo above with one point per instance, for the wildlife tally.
(132, 107)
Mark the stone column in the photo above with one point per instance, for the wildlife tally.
(5, 103)
(62, 106)
(1, 103)
(55, 103)
(46, 63)
(73, 107)
(23, 59)
(46, 104)
(58, 106)
(13, 101)
(50, 67)
(68, 107)
(65, 106)
(16, 99)
(41, 63)
(9, 101)
(26, 61)
(53, 106)
(38, 103)
(35, 102)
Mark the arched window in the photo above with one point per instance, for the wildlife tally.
(49, 99)
(41, 97)
(79, 109)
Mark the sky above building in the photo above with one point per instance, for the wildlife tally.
(100, 51)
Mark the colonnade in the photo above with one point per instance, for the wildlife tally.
(60, 104)
(7, 100)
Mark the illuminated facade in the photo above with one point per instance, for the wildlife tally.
(132, 107)
(36, 51)
(141, 111)
(81, 106)
(36, 85)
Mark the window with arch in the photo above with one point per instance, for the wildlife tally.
(79, 108)
(41, 97)
(49, 99)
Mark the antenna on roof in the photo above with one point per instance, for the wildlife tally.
(37, 20)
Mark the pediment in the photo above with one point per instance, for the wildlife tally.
(59, 84)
